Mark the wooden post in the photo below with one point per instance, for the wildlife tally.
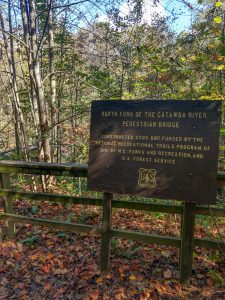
(187, 243)
(106, 232)
(7, 204)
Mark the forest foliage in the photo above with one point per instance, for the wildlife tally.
(57, 56)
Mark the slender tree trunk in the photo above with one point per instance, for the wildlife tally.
(13, 81)
(15, 115)
(52, 79)
(24, 7)
(26, 29)
(60, 92)
(42, 109)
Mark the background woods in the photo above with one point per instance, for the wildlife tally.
(57, 56)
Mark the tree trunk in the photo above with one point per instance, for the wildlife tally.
(52, 80)
(34, 103)
(18, 114)
(38, 83)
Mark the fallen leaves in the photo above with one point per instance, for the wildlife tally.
(167, 274)
(66, 265)
(60, 271)
(47, 286)
(46, 268)
(94, 294)
(132, 277)
(20, 285)
(99, 280)
(3, 293)
(207, 292)
(17, 255)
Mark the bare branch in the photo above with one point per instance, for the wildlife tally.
(14, 36)
(2, 129)
(70, 117)
(45, 27)
(62, 6)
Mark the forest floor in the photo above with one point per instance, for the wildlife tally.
(49, 264)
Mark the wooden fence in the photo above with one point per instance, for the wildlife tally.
(186, 242)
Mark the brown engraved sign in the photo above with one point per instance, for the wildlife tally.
(152, 148)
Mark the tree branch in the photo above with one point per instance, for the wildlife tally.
(45, 27)
(70, 117)
(15, 37)
(1, 130)
(62, 6)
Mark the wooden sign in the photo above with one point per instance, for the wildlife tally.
(164, 149)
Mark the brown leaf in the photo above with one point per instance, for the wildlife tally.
(21, 285)
(11, 264)
(17, 255)
(146, 293)
(3, 293)
(33, 257)
(99, 280)
(105, 297)
(207, 292)
(4, 281)
(210, 282)
(167, 274)
(62, 290)
(94, 294)
(60, 271)
(50, 256)
(47, 286)
(38, 279)
(46, 268)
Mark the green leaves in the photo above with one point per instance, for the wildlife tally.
(222, 50)
(222, 131)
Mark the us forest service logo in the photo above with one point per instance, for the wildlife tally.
(147, 178)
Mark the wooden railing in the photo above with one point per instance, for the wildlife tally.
(185, 242)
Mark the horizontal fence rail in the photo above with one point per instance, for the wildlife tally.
(36, 168)
(80, 170)
(150, 207)
(70, 170)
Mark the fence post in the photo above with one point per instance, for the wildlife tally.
(106, 231)
(7, 204)
(187, 242)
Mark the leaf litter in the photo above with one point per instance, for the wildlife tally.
(62, 265)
